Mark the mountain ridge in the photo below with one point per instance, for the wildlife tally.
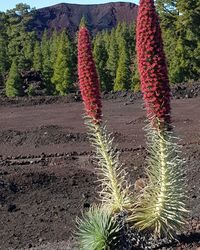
(99, 16)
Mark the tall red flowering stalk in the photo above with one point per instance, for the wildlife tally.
(88, 77)
(115, 189)
(161, 206)
(152, 63)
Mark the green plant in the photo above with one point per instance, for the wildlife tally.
(112, 178)
(97, 229)
(14, 81)
(31, 90)
(161, 204)
(115, 191)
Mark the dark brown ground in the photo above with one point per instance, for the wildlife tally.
(47, 175)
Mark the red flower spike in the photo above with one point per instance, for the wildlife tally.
(152, 65)
(88, 77)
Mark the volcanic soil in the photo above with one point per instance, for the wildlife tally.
(47, 173)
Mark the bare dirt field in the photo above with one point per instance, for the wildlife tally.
(47, 174)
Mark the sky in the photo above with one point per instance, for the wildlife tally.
(9, 4)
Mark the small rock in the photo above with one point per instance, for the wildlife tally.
(30, 245)
(13, 187)
(12, 208)
(86, 205)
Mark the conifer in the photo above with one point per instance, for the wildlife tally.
(101, 57)
(123, 75)
(62, 74)
(54, 46)
(47, 70)
(113, 55)
(37, 57)
(4, 64)
(20, 39)
(14, 82)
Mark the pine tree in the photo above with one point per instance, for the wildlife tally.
(14, 83)
(83, 22)
(74, 62)
(189, 38)
(28, 48)
(20, 39)
(106, 38)
(131, 41)
(179, 22)
(54, 46)
(3, 59)
(101, 57)
(62, 76)
(135, 83)
(125, 36)
(123, 77)
(37, 57)
(3, 23)
(122, 33)
(113, 55)
(47, 70)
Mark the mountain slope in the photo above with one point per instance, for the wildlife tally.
(99, 16)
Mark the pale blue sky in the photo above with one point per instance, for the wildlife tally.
(9, 4)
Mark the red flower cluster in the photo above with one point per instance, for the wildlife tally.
(88, 77)
(152, 64)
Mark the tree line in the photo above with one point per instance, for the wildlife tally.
(181, 34)
(54, 55)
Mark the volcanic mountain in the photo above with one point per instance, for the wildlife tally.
(99, 16)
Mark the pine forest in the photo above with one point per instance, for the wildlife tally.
(51, 56)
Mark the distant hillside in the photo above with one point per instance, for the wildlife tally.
(99, 16)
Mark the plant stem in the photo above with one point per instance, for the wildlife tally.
(112, 175)
(163, 165)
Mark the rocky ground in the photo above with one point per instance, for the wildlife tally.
(47, 173)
